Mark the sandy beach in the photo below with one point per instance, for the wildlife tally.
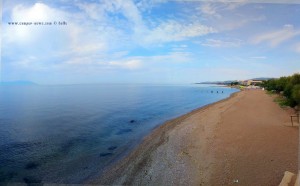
(246, 139)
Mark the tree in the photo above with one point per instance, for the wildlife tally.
(296, 94)
(234, 83)
(289, 85)
(295, 79)
(270, 84)
(281, 84)
(288, 90)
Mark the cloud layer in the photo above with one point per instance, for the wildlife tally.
(128, 37)
(275, 38)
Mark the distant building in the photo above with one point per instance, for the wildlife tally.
(253, 82)
(250, 82)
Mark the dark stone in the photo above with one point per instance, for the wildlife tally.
(112, 148)
(132, 121)
(6, 177)
(12, 174)
(32, 181)
(31, 165)
(106, 154)
(70, 144)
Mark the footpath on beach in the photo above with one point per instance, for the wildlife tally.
(246, 139)
(255, 142)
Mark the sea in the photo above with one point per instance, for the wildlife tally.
(70, 133)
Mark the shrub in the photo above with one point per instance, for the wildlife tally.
(289, 85)
(296, 93)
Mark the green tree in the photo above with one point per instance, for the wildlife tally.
(289, 85)
(270, 84)
(296, 94)
(288, 90)
(234, 83)
(281, 83)
(295, 79)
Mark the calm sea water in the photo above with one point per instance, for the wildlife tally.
(68, 134)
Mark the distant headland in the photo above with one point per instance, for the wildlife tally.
(242, 82)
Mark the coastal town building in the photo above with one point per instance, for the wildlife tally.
(250, 82)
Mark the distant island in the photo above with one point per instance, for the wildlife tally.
(13, 83)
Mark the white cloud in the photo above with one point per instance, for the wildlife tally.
(147, 62)
(216, 8)
(221, 43)
(120, 60)
(93, 10)
(175, 31)
(213, 8)
(146, 5)
(92, 30)
(135, 30)
(82, 43)
(74, 41)
(100, 11)
(226, 15)
(131, 12)
(232, 23)
(209, 9)
(277, 37)
(87, 48)
(129, 64)
(166, 31)
(38, 12)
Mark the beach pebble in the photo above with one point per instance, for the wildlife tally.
(235, 181)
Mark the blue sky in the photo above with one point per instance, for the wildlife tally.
(144, 41)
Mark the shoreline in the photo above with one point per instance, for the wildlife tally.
(151, 141)
(246, 137)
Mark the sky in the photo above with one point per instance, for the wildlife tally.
(144, 41)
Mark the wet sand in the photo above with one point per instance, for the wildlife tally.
(246, 138)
